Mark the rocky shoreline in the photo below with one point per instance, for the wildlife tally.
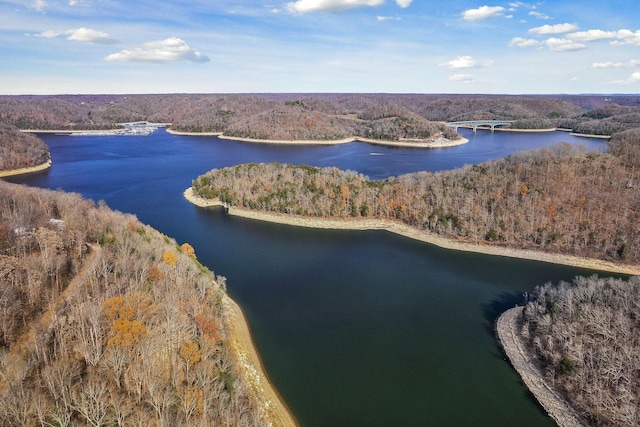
(409, 143)
(413, 233)
(271, 407)
(556, 407)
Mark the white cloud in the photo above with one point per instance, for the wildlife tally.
(592, 35)
(516, 4)
(387, 18)
(84, 35)
(482, 12)
(554, 29)
(172, 49)
(633, 78)
(49, 34)
(404, 3)
(87, 35)
(522, 42)
(539, 15)
(610, 64)
(467, 78)
(306, 6)
(629, 37)
(563, 45)
(607, 65)
(39, 5)
(460, 62)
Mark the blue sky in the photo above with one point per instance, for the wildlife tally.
(393, 46)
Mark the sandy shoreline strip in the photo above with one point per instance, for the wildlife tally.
(286, 141)
(582, 135)
(522, 130)
(404, 230)
(272, 408)
(589, 135)
(409, 143)
(22, 171)
(179, 132)
(555, 406)
(70, 131)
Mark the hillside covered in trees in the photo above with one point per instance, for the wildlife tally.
(556, 199)
(321, 116)
(19, 150)
(104, 321)
(584, 337)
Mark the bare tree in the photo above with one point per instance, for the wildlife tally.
(91, 402)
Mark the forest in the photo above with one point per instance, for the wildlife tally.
(584, 336)
(105, 321)
(557, 199)
(20, 150)
(321, 116)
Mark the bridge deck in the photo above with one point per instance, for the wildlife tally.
(479, 123)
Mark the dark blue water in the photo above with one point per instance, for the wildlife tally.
(354, 328)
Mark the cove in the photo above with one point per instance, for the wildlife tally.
(354, 328)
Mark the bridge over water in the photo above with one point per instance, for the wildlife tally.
(475, 124)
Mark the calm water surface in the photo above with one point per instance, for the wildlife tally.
(354, 328)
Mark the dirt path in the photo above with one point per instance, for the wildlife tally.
(20, 359)
(557, 408)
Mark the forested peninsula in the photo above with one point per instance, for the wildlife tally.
(105, 321)
(580, 339)
(20, 152)
(558, 200)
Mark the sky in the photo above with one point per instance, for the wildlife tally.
(313, 46)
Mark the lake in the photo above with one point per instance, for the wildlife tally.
(354, 328)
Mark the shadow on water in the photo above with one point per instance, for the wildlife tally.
(503, 302)
(492, 310)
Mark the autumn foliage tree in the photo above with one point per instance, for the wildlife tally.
(557, 199)
(188, 249)
(104, 321)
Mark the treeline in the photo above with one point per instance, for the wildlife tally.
(320, 116)
(104, 321)
(19, 150)
(296, 121)
(557, 199)
(289, 121)
(584, 337)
